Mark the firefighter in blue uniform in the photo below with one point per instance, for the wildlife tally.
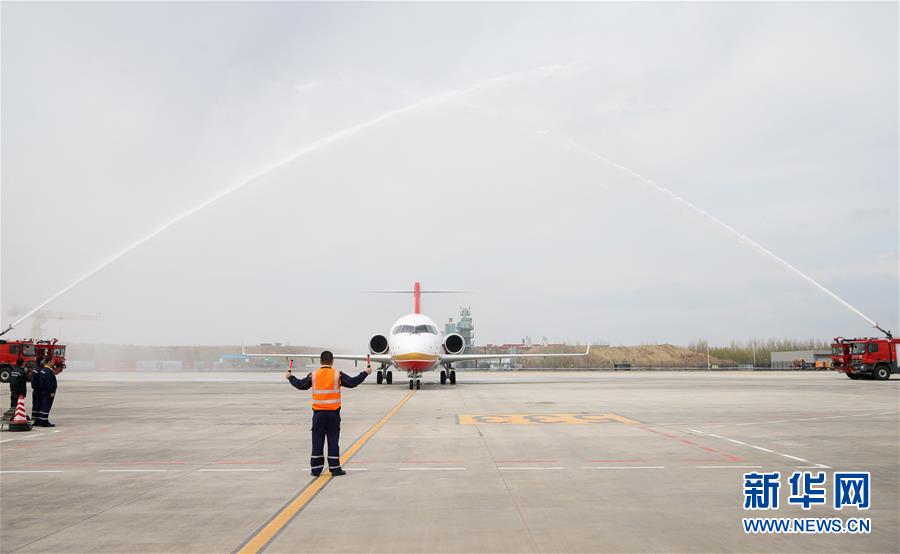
(43, 384)
(18, 385)
(326, 383)
(36, 387)
(49, 392)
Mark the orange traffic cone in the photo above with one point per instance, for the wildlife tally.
(19, 421)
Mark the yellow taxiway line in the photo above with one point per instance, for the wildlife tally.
(262, 537)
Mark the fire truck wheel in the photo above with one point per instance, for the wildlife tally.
(853, 376)
(882, 372)
(4, 374)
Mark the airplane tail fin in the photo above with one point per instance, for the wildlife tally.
(417, 293)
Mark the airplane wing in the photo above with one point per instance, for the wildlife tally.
(468, 357)
(378, 359)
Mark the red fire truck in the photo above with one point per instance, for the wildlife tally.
(840, 354)
(28, 350)
(52, 349)
(865, 358)
(12, 350)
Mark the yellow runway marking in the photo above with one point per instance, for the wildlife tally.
(265, 535)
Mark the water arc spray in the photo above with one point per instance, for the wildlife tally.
(431, 101)
(731, 230)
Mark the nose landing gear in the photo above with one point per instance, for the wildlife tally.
(384, 375)
(414, 381)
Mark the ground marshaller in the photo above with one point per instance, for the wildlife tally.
(326, 383)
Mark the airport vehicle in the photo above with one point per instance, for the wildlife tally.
(866, 358)
(840, 354)
(10, 351)
(28, 350)
(415, 345)
(53, 349)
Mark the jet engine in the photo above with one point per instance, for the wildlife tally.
(454, 343)
(378, 344)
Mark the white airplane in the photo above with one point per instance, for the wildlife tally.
(415, 345)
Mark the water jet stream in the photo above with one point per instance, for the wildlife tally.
(734, 232)
(319, 144)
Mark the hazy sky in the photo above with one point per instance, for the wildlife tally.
(781, 119)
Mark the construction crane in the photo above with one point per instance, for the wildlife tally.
(40, 318)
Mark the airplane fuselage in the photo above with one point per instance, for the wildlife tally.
(415, 343)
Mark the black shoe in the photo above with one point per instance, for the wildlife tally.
(314, 474)
(336, 472)
(48, 424)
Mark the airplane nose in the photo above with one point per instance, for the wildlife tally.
(422, 343)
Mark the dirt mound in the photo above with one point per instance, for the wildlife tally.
(656, 355)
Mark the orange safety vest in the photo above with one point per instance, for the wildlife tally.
(326, 388)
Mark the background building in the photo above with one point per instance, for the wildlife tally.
(465, 327)
(790, 358)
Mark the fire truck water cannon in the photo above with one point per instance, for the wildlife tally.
(886, 333)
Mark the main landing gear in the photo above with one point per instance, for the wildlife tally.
(384, 375)
(450, 374)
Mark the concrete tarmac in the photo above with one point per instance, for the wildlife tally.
(500, 462)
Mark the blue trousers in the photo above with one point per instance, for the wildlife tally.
(41, 402)
(325, 424)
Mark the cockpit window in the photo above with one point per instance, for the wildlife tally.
(415, 329)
